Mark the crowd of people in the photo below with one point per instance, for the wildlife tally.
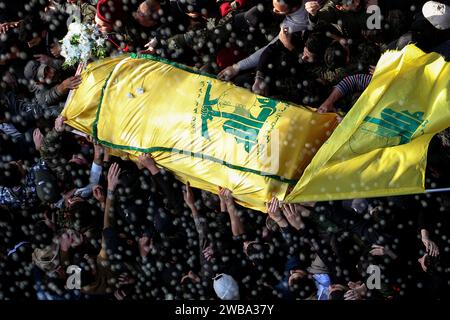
(132, 231)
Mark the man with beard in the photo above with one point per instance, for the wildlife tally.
(45, 83)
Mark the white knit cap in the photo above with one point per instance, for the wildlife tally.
(438, 14)
(226, 287)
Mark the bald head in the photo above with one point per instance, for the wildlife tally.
(147, 14)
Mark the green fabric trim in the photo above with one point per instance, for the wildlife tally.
(97, 114)
(174, 150)
(172, 63)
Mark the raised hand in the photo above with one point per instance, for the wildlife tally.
(99, 194)
(59, 124)
(188, 196)
(274, 210)
(37, 139)
(226, 196)
(208, 253)
(293, 216)
(431, 247)
(70, 83)
(228, 73)
(146, 160)
(113, 177)
(145, 246)
(312, 7)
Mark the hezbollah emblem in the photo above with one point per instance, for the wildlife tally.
(240, 123)
(391, 129)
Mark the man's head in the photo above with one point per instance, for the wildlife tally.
(315, 48)
(301, 284)
(258, 252)
(109, 12)
(148, 13)
(78, 175)
(347, 5)
(3, 110)
(285, 7)
(42, 233)
(337, 292)
(40, 73)
(129, 183)
(103, 26)
(11, 174)
(335, 56)
(80, 212)
(47, 188)
(70, 237)
(191, 286)
(369, 54)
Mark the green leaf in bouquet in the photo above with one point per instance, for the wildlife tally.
(99, 52)
(75, 40)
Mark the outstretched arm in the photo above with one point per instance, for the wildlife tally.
(237, 227)
(113, 180)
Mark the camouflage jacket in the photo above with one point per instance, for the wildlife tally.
(81, 11)
(46, 95)
(51, 154)
(87, 11)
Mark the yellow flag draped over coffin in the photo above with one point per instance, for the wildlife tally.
(380, 148)
(208, 132)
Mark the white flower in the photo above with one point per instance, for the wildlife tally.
(88, 39)
(75, 27)
(100, 42)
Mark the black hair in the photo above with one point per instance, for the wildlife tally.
(84, 215)
(30, 28)
(170, 275)
(10, 175)
(129, 183)
(341, 2)
(78, 176)
(303, 288)
(259, 252)
(3, 108)
(317, 43)
(368, 54)
(337, 295)
(45, 125)
(189, 290)
(68, 144)
(42, 234)
(297, 40)
(335, 56)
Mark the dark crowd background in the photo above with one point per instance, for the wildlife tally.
(132, 232)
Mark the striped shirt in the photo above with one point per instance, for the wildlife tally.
(354, 83)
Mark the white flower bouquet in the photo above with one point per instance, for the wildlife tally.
(82, 43)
